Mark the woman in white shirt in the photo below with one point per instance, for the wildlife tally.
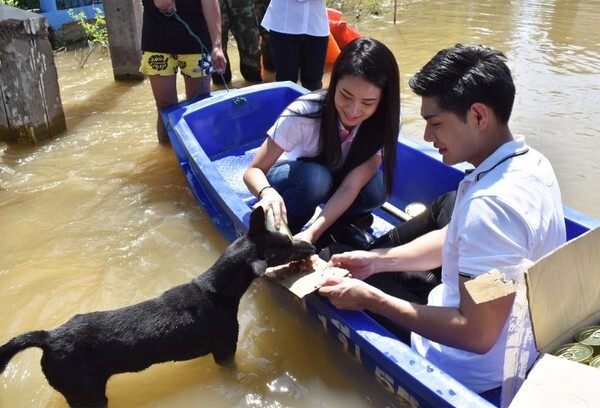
(327, 146)
(299, 34)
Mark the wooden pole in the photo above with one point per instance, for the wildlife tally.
(395, 7)
(395, 211)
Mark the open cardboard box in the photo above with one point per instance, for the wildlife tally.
(563, 291)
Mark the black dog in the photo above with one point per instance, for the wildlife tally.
(186, 322)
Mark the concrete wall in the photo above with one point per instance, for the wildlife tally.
(30, 104)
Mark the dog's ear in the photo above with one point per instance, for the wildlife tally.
(259, 267)
(257, 222)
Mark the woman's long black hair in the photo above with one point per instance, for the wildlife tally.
(371, 60)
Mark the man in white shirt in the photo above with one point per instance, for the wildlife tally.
(507, 210)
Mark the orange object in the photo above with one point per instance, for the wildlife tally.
(333, 50)
(342, 33)
(333, 14)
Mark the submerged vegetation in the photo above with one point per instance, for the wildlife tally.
(96, 34)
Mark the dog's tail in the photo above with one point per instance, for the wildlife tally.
(16, 344)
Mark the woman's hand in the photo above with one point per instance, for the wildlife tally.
(359, 263)
(270, 198)
(256, 180)
(305, 236)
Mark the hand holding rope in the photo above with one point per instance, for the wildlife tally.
(205, 62)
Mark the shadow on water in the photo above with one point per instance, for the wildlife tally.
(97, 101)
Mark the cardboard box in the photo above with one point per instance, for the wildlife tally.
(560, 383)
(563, 292)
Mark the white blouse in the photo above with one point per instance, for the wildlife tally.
(297, 17)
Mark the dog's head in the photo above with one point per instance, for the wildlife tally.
(274, 248)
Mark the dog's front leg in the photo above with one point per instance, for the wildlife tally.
(224, 353)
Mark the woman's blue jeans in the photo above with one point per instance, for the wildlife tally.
(305, 185)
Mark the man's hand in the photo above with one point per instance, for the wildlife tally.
(359, 263)
(351, 294)
(218, 60)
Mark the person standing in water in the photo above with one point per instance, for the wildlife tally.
(299, 35)
(168, 47)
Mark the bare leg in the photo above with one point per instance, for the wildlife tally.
(164, 89)
(196, 86)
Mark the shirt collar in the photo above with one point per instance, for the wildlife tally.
(346, 135)
(508, 150)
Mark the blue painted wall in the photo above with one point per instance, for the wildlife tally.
(57, 15)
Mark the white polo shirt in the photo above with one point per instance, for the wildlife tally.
(507, 210)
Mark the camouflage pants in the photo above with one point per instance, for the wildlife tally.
(265, 43)
(239, 17)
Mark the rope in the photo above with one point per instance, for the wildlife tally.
(205, 62)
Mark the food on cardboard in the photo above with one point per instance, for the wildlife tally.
(303, 277)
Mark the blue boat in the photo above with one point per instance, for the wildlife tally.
(215, 138)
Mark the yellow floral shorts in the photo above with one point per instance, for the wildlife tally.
(191, 65)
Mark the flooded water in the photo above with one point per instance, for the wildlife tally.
(102, 217)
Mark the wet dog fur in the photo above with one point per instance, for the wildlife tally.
(185, 322)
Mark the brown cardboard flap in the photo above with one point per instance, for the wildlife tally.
(490, 286)
(563, 289)
(304, 282)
